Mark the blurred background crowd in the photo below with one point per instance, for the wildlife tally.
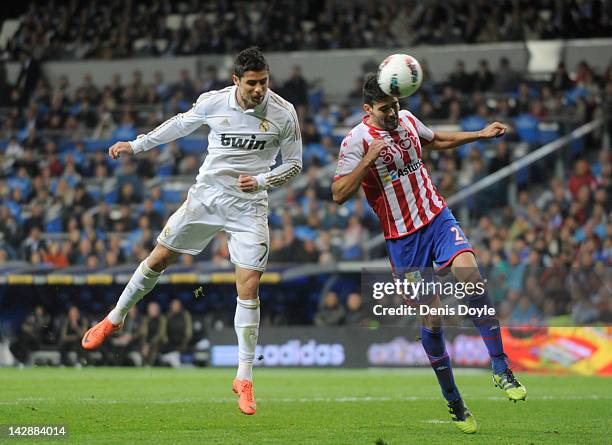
(64, 205)
(115, 29)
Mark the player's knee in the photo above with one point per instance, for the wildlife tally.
(248, 287)
(159, 260)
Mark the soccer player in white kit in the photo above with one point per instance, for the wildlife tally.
(249, 124)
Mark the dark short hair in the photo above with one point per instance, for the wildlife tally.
(250, 59)
(371, 91)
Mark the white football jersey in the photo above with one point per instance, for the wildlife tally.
(240, 142)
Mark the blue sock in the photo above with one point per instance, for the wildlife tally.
(433, 343)
(490, 333)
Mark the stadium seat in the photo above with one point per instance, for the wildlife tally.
(193, 146)
(93, 145)
(548, 132)
(54, 225)
(165, 170)
(111, 197)
(527, 128)
(172, 195)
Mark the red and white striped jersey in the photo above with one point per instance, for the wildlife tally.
(397, 186)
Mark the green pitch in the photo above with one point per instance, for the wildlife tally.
(196, 406)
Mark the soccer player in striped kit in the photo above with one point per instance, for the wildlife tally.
(249, 125)
(383, 154)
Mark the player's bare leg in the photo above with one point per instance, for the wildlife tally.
(142, 282)
(246, 323)
(465, 269)
(432, 338)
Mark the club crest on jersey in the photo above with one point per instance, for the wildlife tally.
(264, 125)
(246, 143)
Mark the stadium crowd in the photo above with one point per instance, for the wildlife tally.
(114, 29)
(149, 339)
(108, 213)
(65, 204)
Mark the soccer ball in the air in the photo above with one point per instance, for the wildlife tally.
(399, 75)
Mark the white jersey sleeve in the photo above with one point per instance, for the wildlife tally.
(423, 130)
(291, 153)
(174, 128)
(351, 154)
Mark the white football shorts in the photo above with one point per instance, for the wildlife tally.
(209, 210)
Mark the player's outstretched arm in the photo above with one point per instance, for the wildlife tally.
(346, 186)
(444, 140)
(174, 128)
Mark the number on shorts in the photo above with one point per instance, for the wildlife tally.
(458, 236)
(265, 253)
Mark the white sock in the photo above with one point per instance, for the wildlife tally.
(141, 283)
(246, 323)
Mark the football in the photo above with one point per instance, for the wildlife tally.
(400, 75)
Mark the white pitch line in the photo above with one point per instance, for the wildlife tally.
(348, 399)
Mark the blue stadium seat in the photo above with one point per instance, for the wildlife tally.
(111, 197)
(193, 146)
(124, 133)
(21, 183)
(171, 195)
(527, 128)
(165, 170)
(471, 123)
(54, 225)
(97, 144)
(96, 192)
(314, 150)
(65, 145)
(548, 132)
(304, 233)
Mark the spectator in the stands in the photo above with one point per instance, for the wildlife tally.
(506, 78)
(331, 312)
(356, 312)
(212, 81)
(71, 332)
(459, 79)
(33, 243)
(581, 176)
(179, 333)
(128, 344)
(483, 78)
(295, 90)
(155, 333)
(36, 330)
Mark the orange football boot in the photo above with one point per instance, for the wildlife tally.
(246, 400)
(94, 338)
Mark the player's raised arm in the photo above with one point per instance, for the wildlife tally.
(176, 127)
(346, 185)
(444, 140)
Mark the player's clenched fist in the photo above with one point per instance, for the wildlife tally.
(119, 148)
(247, 183)
(494, 130)
(376, 146)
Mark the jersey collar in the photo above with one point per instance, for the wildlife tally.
(259, 109)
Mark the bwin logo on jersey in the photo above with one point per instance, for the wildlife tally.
(248, 144)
